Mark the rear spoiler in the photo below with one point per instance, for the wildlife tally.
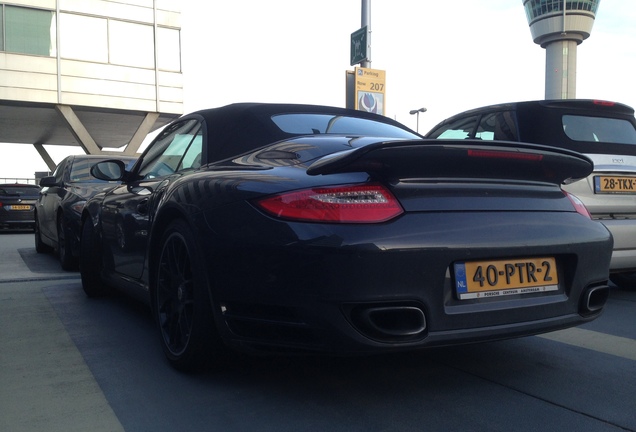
(589, 104)
(465, 159)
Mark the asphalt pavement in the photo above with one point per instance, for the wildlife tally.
(69, 363)
(45, 384)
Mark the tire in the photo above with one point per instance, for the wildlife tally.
(181, 305)
(90, 263)
(64, 247)
(40, 246)
(625, 281)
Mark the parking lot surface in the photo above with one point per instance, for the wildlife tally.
(69, 363)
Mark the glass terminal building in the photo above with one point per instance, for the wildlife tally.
(560, 26)
(96, 73)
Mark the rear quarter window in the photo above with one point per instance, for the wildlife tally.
(461, 128)
(498, 125)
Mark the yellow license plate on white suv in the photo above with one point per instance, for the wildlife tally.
(482, 279)
(615, 184)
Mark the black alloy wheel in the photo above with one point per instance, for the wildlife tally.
(64, 248)
(181, 304)
(90, 262)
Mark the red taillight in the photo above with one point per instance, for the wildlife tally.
(604, 103)
(578, 205)
(369, 203)
(496, 154)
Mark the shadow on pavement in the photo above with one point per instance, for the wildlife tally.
(40, 263)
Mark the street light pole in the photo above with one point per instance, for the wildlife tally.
(417, 111)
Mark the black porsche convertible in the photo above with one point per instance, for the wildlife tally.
(301, 228)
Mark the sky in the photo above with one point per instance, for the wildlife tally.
(445, 56)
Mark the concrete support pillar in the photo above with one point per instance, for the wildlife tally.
(78, 130)
(143, 130)
(45, 156)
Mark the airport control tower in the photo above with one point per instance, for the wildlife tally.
(560, 26)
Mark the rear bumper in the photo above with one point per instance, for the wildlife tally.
(20, 223)
(624, 254)
(360, 289)
(17, 218)
(333, 329)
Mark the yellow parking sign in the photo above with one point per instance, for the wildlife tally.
(370, 90)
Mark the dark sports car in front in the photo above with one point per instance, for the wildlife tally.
(305, 228)
(60, 203)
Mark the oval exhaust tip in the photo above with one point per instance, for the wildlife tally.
(397, 321)
(595, 298)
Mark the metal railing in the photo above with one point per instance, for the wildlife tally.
(19, 180)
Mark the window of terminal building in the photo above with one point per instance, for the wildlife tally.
(83, 38)
(131, 44)
(27, 31)
(168, 49)
(116, 42)
(88, 38)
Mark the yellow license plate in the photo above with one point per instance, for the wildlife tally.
(481, 279)
(20, 207)
(615, 184)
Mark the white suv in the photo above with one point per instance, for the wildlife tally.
(603, 131)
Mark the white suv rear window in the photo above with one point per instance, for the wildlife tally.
(595, 129)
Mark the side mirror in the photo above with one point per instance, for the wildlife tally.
(109, 170)
(48, 182)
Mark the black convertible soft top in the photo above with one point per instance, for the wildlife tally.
(242, 127)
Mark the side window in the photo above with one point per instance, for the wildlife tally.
(192, 157)
(80, 170)
(459, 129)
(498, 126)
(175, 149)
(59, 171)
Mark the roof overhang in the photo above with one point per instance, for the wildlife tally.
(38, 123)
